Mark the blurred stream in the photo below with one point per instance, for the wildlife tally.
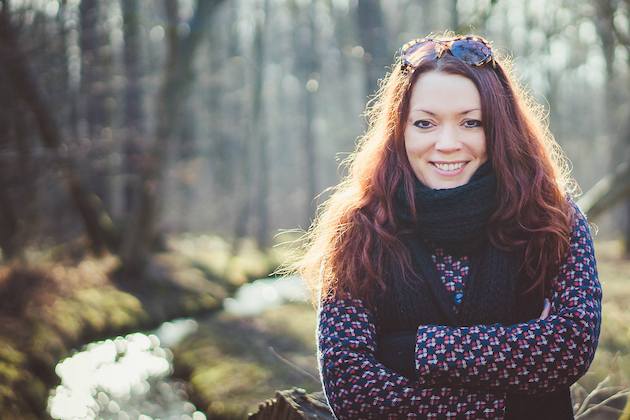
(128, 378)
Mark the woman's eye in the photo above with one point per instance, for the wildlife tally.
(423, 124)
(473, 123)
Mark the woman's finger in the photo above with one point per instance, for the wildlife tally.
(546, 310)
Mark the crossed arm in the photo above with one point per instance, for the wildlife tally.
(359, 387)
(536, 357)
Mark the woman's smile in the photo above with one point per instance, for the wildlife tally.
(449, 167)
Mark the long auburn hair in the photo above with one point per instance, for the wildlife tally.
(354, 240)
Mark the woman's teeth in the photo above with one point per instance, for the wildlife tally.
(449, 166)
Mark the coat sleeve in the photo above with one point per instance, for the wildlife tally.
(535, 357)
(357, 386)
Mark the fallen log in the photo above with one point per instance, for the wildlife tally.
(608, 191)
(294, 404)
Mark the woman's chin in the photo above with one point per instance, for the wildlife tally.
(447, 182)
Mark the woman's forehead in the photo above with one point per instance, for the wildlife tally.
(439, 92)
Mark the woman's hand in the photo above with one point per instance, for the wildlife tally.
(546, 310)
(396, 351)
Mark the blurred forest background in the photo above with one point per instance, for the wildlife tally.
(129, 125)
(125, 120)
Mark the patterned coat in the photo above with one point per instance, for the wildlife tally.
(536, 357)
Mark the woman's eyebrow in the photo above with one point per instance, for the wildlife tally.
(469, 111)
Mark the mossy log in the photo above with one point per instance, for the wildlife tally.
(294, 404)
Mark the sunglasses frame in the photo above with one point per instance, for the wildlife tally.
(447, 45)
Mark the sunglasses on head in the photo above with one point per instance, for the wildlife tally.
(471, 50)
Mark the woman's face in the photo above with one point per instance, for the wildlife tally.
(444, 137)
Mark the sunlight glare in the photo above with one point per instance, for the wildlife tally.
(269, 294)
(156, 34)
(52, 8)
(588, 31)
(559, 53)
(254, 298)
(107, 370)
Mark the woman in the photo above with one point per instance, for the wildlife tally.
(457, 278)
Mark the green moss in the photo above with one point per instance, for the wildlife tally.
(614, 332)
(234, 363)
(227, 381)
(217, 260)
(96, 310)
(234, 375)
(190, 304)
(18, 386)
(207, 302)
(122, 309)
(10, 355)
(64, 316)
(613, 352)
(9, 372)
(36, 390)
(213, 263)
(67, 303)
(7, 395)
(247, 266)
(47, 344)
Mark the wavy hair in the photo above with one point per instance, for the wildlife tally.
(354, 240)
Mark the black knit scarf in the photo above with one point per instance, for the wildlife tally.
(456, 220)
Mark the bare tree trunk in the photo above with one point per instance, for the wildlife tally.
(260, 130)
(133, 106)
(310, 149)
(373, 36)
(9, 224)
(185, 179)
(219, 157)
(604, 23)
(244, 190)
(30, 215)
(173, 92)
(308, 63)
(137, 244)
(93, 95)
(244, 174)
(454, 16)
(25, 88)
(9, 220)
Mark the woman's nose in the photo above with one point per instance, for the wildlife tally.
(448, 140)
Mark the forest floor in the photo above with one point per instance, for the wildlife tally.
(609, 374)
(50, 305)
(53, 302)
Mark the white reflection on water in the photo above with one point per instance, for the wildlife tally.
(254, 298)
(124, 379)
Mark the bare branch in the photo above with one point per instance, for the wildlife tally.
(603, 403)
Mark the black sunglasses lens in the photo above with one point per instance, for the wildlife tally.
(471, 51)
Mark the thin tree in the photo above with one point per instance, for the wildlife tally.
(93, 94)
(132, 120)
(373, 36)
(175, 88)
(260, 129)
(307, 64)
(18, 70)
